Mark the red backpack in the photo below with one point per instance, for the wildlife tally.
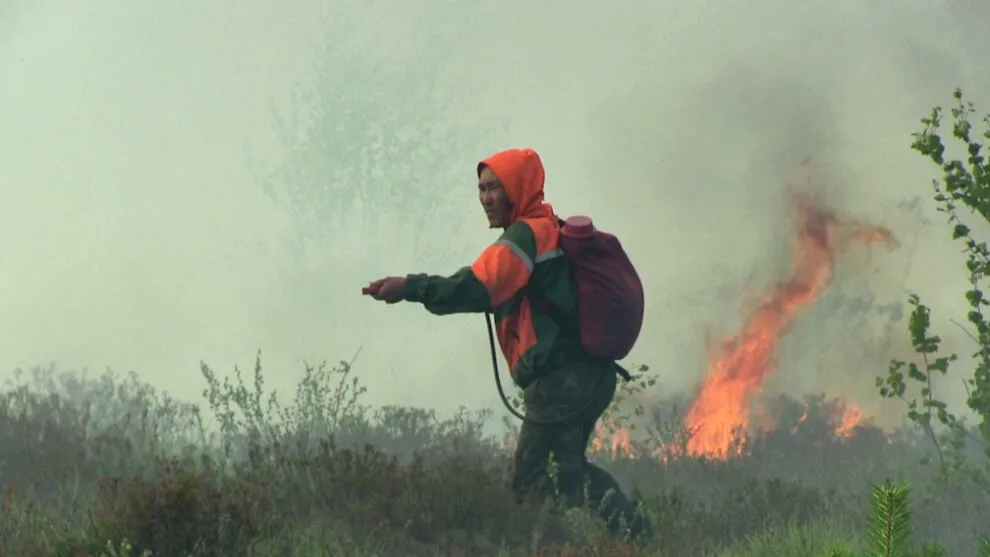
(610, 293)
(610, 300)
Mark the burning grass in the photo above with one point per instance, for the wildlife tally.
(720, 417)
(739, 366)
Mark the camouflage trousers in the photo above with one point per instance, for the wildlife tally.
(555, 395)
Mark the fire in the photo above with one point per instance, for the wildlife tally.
(719, 418)
(804, 416)
(620, 443)
(848, 420)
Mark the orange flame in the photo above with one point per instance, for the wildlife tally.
(719, 418)
(620, 443)
(804, 416)
(850, 418)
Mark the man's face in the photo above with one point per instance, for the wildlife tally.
(493, 199)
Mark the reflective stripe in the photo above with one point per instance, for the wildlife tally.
(527, 261)
(518, 251)
(549, 255)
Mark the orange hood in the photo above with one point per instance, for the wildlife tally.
(521, 173)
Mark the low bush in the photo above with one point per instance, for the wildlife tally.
(100, 474)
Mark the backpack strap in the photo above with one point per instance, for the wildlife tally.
(540, 302)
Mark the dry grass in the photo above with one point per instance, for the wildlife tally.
(84, 462)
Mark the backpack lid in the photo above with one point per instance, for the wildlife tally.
(578, 226)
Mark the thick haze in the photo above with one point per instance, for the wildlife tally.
(137, 137)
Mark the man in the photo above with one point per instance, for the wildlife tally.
(523, 267)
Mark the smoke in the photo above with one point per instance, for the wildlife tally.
(139, 147)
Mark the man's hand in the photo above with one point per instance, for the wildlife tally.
(389, 289)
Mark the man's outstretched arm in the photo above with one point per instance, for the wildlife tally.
(495, 277)
(461, 292)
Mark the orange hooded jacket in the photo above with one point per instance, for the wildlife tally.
(526, 256)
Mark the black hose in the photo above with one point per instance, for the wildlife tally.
(508, 405)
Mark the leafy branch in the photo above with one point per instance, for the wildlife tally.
(964, 184)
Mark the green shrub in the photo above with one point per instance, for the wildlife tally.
(965, 184)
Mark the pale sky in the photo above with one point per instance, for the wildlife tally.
(135, 137)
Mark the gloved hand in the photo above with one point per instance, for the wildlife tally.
(389, 289)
